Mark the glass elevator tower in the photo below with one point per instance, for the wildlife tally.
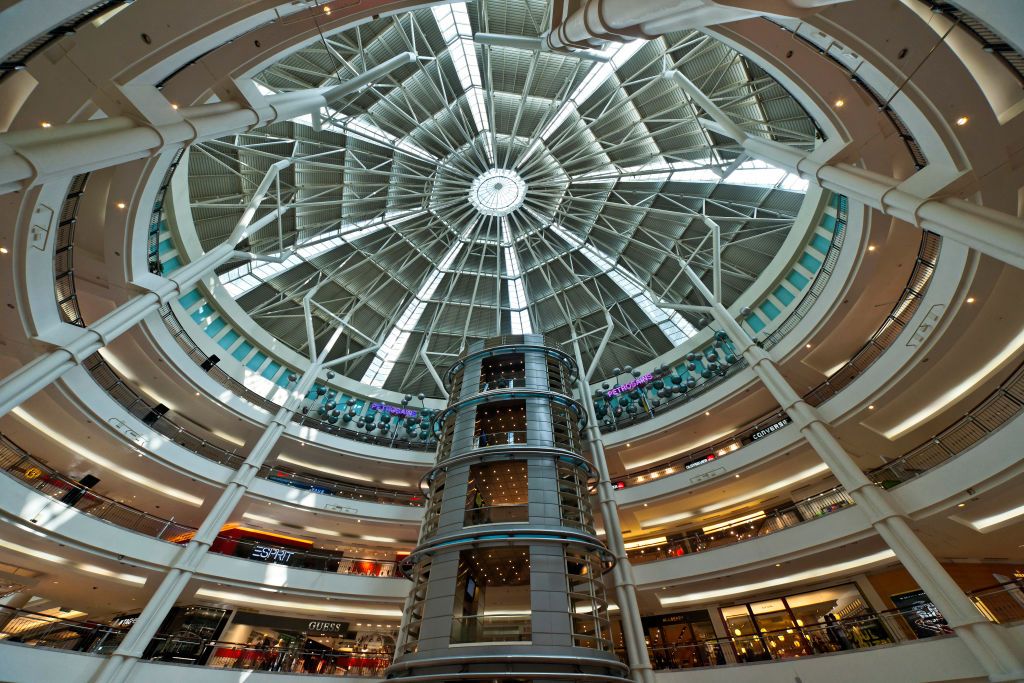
(507, 575)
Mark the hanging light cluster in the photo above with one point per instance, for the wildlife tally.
(613, 403)
(326, 405)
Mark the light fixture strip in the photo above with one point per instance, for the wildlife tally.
(453, 21)
(675, 327)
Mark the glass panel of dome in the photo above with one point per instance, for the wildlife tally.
(453, 20)
(671, 323)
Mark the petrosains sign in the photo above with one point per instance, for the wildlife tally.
(765, 431)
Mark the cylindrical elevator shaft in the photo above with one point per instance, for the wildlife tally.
(507, 576)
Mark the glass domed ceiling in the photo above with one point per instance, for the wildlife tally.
(487, 190)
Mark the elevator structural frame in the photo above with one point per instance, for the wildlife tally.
(531, 546)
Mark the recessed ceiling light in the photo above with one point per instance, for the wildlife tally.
(627, 445)
(3, 250)
(970, 299)
(871, 247)
(174, 106)
(707, 412)
(737, 476)
(46, 124)
(807, 346)
(121, 205)
(962, 505)
(840, 103)
(871, 407)
(962, 121)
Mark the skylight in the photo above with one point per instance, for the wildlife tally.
(671, 323)
(391, 348)
(752, 172)
(619, 54)
(245, 278)
(517, 303)
(453, 20)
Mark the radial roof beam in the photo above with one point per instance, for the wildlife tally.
(750, 172)
(518, 304)
(453, 21)
(675, 327)
(245, 278)
(394, 343)
(618, 54)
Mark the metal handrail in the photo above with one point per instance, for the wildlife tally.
(799, 512)
(53, 632)
(998, 408)
(867, 630)
(109, 381)
(42, 478)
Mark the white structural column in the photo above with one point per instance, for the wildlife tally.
(613, 19)
(991, 232)
(623, 581)
(118, 667)
(38, 374)
(993, 646)
(33, 157)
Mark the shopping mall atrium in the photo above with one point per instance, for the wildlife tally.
(512, 340)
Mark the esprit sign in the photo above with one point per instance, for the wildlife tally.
(761, 433)
(267, 554)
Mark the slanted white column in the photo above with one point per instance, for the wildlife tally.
(622, 573)
(119, 666)
(994, 233)
(39, 373)
(33, 157)
(991, 644)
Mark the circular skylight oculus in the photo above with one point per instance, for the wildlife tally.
(497, 192)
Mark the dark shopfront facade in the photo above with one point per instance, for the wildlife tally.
(683, 640)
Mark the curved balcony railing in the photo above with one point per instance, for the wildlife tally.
(347, 657)
(755, 526)
(108, 380)
(901, 314)
(1000, 604)
(1001, 406)
(42, 478)
(197, 355)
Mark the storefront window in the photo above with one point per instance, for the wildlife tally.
(683, 641)
(829, 620)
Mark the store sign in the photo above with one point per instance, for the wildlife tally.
(267, 554)
(629, 386)
(761, 433)
(33, 473)
(394, 410)
(326, 627)
(697, 463)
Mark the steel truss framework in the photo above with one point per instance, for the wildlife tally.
(618, 167)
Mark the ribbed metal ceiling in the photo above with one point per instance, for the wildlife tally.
(382, 190)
